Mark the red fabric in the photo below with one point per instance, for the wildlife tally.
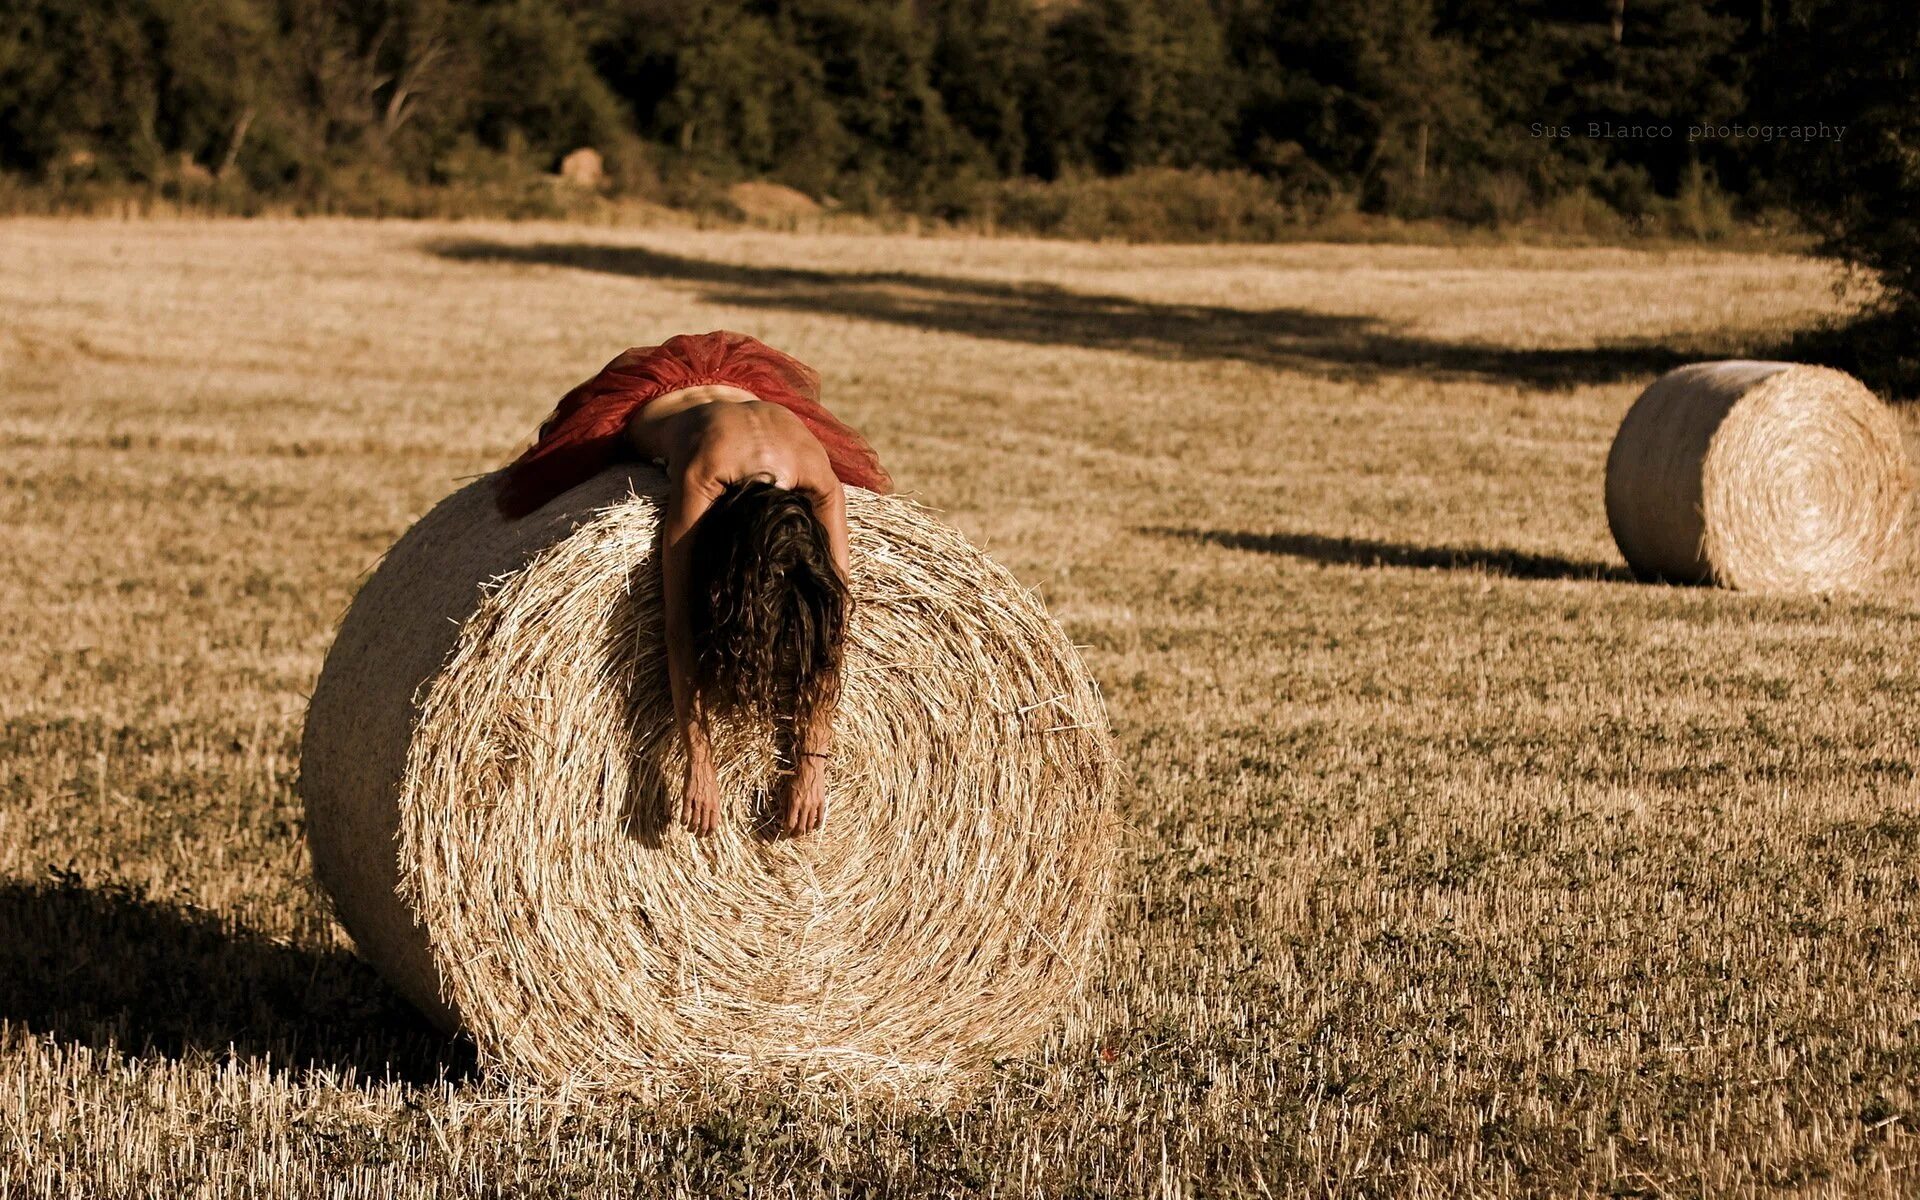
(586, 433)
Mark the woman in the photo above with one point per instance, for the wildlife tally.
(753, 543)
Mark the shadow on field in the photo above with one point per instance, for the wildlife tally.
(1366, 552)
(100, 966)
(1042, 314)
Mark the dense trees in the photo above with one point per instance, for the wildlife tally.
(1858, 67)
(1641, 74)
(1471, 109)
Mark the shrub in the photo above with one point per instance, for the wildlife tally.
(1154, 205)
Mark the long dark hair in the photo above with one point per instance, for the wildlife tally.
(765, 605)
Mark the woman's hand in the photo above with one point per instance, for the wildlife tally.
(806, 796)
(700, 798)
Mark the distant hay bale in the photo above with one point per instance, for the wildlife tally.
(491, 775)
(760, 200)
(584, 168)
(1765, 476)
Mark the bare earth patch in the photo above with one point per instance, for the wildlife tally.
(1458, 863)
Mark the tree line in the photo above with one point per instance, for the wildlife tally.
(1471, 110)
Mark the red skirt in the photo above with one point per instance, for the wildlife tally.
(587, 431)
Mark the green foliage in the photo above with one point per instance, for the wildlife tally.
(1139, 83)
(1577, 100)
(717, 82)
(1859, 67)
(535, 82)
(123, 91)
(874, 59)
(1370, 90)
(1479, 111)
(989, 67)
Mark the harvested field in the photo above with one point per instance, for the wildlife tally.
(1457, 862)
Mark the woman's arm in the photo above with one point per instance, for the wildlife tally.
(830, 505)
(813, 748)
(687, 501)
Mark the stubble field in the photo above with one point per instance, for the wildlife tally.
(1457, 863)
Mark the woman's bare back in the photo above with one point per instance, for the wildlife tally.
(719, 435)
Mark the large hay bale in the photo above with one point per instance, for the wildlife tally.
(761, 200)
(491, 774)
(1768, 476)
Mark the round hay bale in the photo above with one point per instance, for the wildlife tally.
(584, 168)
(491, 777)
(761, 200)
(1766, 476)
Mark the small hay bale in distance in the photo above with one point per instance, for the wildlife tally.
(1763, 476)
(491, 776)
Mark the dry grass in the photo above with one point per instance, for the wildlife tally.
(1460, 864)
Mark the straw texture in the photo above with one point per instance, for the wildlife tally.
(1765, 476)
(490, 772)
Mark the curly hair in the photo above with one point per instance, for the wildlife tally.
(766, 606)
